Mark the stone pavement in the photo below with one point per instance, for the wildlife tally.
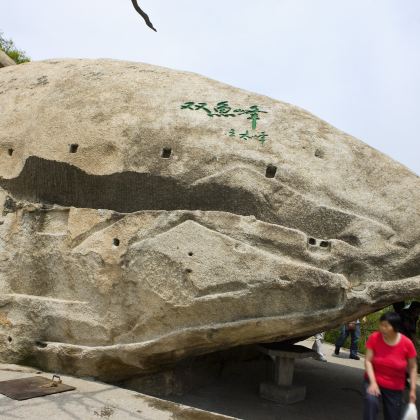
(333, 392)
(91, 401)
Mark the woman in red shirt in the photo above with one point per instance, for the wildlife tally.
(388, 353)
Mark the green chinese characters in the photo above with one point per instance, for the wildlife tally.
(223, 109)
(261, 137)
(253, 113)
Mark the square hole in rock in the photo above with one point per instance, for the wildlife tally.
(271, 170)
(73, 148)
(166, 152)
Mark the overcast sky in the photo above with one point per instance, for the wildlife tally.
(356, 64)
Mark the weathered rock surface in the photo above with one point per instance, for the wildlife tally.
(5, 60)
(137, 229)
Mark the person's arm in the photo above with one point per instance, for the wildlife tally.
(412, 369)
(373, 387)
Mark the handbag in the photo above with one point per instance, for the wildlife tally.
(411, 412)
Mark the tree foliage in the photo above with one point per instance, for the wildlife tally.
(9, 47)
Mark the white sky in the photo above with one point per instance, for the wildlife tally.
(356, 64)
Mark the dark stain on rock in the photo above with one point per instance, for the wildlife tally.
(9, 206)
(41, 81)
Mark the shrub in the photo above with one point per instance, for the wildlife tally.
(9, 47)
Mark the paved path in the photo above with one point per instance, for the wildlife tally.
(334, 391)
(91, 401)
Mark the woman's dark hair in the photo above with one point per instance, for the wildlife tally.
(393, 319)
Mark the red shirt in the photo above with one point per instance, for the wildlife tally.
(390, 362)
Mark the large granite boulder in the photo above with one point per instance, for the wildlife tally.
(150, 214)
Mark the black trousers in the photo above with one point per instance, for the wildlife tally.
(392, 403)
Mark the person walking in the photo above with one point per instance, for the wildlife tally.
(388, 353)
(352, 329)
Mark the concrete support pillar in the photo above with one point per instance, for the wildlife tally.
(282, 390)
(283, 371)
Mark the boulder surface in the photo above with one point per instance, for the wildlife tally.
(150, 214)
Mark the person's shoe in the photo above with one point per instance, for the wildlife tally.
(354, 357)
(337, 351)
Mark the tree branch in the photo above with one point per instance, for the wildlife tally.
(143, 15)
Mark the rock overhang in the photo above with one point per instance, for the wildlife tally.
(131, 212)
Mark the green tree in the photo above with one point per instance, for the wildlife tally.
(9, 47)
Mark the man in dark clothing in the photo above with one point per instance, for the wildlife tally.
(409, 317)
